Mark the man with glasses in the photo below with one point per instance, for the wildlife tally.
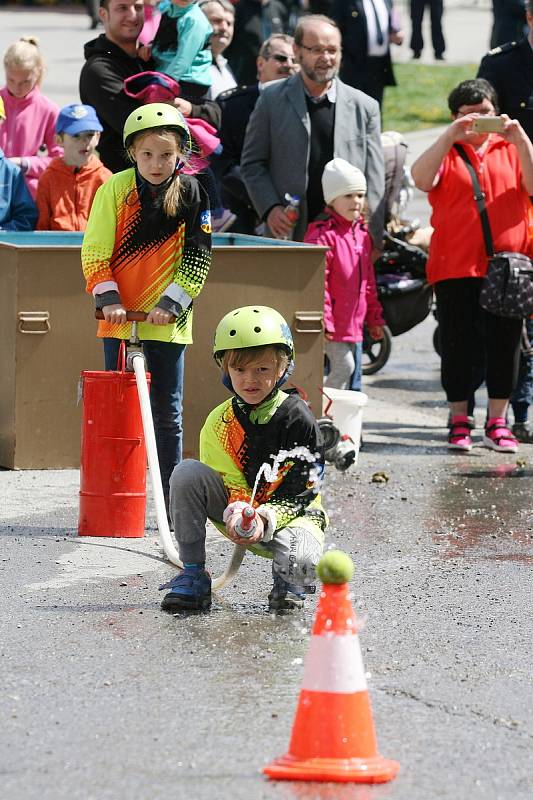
(300, 124)
(275, 62)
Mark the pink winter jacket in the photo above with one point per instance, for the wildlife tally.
(30, 124)
(350, 290)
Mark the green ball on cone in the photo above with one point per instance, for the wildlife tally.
(335, 567)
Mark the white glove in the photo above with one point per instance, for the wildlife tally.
(233, 508)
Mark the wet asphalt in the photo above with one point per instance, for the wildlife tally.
(105, 697)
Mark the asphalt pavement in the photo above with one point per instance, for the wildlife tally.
(104, 697)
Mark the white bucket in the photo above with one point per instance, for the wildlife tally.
(347, 411)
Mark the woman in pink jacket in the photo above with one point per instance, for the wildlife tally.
(350, 291)
(28, 135)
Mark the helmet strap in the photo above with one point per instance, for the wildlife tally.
(187, 150)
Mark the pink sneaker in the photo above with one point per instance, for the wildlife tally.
(499, 437)
(459, 434)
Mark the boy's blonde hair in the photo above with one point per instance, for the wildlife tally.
(25, 54)
(173, 193)
(246, 355)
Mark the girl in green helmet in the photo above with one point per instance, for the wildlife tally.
(254, 348)
(147, 247)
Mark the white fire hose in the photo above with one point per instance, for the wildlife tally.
(136, 361)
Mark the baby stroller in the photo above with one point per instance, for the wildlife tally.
(403, 291)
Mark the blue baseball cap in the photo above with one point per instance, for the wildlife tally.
(77, 118)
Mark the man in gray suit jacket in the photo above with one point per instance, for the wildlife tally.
(300, 124)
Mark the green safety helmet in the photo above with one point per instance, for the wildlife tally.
(155, 115)
(252, 326)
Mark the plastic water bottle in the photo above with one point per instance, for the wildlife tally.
(292, 210)
(247, 524)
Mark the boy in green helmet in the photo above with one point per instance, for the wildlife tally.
(254, 348)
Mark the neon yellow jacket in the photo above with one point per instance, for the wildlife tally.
(132, 248)
(237, 439)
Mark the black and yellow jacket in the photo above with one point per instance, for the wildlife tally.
(237, 439)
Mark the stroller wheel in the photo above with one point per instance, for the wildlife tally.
(376, 352)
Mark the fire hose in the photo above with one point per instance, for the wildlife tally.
(136, 363)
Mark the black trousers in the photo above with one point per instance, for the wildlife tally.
(467, 332)
(417, 15)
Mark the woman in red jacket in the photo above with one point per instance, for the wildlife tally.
(458, 259)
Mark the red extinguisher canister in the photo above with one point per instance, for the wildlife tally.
(113, 455)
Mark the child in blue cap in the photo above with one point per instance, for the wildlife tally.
(67, 187)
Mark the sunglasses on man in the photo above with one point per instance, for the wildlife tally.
(281, 59)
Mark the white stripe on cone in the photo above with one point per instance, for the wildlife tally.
(334, 664)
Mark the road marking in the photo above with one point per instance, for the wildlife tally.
(95, 558)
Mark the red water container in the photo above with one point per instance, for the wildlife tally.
(113, 455)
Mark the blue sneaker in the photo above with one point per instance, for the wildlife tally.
(190, 590)
(285, 596)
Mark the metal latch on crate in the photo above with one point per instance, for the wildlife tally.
(36, 323)
(308, 321)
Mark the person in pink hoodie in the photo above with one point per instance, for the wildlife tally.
(28, 136)
(350, 286)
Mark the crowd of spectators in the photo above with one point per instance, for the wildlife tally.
(273, 95)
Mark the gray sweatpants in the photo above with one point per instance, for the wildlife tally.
(197, 493)
(341, 364)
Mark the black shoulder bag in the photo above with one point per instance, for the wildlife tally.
(507, 289)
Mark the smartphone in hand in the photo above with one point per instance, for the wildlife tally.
(488, 125)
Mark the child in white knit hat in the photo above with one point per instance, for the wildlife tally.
(350, 286)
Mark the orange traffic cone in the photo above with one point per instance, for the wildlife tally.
(333, 736)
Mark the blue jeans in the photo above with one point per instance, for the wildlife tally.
(357, 377)
(164, 362)
(522, 396)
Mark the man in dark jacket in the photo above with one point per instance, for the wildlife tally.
(366, 58)
(509, 21)
(510, 70)
(109, 60)
(274, 62)
(255, 21)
